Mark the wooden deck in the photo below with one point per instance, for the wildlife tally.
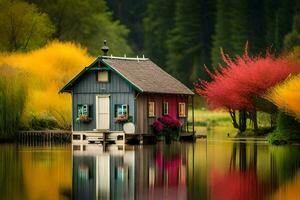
(86, 137)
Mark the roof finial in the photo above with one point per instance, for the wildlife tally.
(105, 48)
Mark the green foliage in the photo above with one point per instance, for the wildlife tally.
(288, 129)
(158, 22)
(43, 122)
(190, 40)
(221, 38)
(22, 26)
(87, 22)
(13, 94)
(171, 132)
(262, 24)
(130, 13)
(292, 39)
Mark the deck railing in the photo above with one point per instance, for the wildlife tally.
(44, 137)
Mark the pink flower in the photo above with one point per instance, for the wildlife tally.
(168, 120)
(158, 126)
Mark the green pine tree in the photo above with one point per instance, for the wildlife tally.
(190, 40)
(239, 26)
(158, 22)
(279, 18)
(221, 38)
(292, 39)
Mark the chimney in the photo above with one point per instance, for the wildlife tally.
(105, 48)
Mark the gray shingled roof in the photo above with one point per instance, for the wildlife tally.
(147, 76)
(142, 73)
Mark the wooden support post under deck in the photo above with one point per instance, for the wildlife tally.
(193, 115)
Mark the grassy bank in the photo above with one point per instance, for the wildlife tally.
(207, 121)
(211, 118)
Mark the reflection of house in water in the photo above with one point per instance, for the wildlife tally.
(103, 175)
(137, 173)
(235, 170)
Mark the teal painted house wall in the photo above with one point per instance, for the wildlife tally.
(86, 90)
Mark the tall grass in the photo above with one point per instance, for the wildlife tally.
(13, 92)
(47, 70)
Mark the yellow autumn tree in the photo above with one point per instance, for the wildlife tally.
(46, 70)
(287, 96)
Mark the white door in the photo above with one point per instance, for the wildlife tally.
(102, 112)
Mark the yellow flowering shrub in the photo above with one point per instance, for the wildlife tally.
(46, 70)
(287, 96)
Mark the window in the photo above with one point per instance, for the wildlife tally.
(121, 110)
(151, 109)
(165, 108)
(102, 76)
(181, 109)
(82, 110)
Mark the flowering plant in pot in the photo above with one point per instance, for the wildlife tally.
(122, 119)
(84, 119)
(167, 127)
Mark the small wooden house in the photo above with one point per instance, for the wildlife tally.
(112, 89)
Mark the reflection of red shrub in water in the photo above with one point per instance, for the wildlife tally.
(235, 185)
(170, 166)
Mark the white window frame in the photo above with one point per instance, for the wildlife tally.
(165, 108)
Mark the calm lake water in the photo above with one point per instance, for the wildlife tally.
(212, 169)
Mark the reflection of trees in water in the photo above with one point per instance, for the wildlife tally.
(241, 180)
(186, 170)
(285, 162)
(282, 163)
(240, 150)
(11, 174)
(197, 174)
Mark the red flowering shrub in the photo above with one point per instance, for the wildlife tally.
(237, 84)
(167, 126)
(168, 120)
(158, 126)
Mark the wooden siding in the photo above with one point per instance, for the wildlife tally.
(88, 88)
(141, 114)
(144, 122)
(89, 84)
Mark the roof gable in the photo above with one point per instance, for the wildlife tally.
(142, 74)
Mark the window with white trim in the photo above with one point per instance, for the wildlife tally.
(151, 109)
(121, 110)
(165, 108)
(181, 109)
